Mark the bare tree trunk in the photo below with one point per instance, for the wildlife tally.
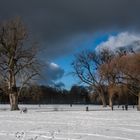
(103, 100)
(13, 94)
(102, 96)
(111, 102)
(14, 101)
(138, 107)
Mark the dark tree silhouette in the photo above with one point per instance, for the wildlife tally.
(18, 63)
(86, 67)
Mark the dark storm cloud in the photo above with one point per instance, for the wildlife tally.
(51, 73)
(60, 85)
(53, 20)
(63, 17)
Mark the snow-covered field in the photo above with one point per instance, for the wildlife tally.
(62, 122)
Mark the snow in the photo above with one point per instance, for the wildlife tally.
(62, 122)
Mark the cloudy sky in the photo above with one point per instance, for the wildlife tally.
(64, 27)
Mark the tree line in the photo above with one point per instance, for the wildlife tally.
(36, 94)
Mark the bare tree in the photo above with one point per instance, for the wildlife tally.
(18, 61)
(86, 67)
(130, 67)
(109, 72)
(122, 74)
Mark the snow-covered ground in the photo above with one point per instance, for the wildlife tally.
(62, 122)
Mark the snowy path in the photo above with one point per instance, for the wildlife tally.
(41, 124)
